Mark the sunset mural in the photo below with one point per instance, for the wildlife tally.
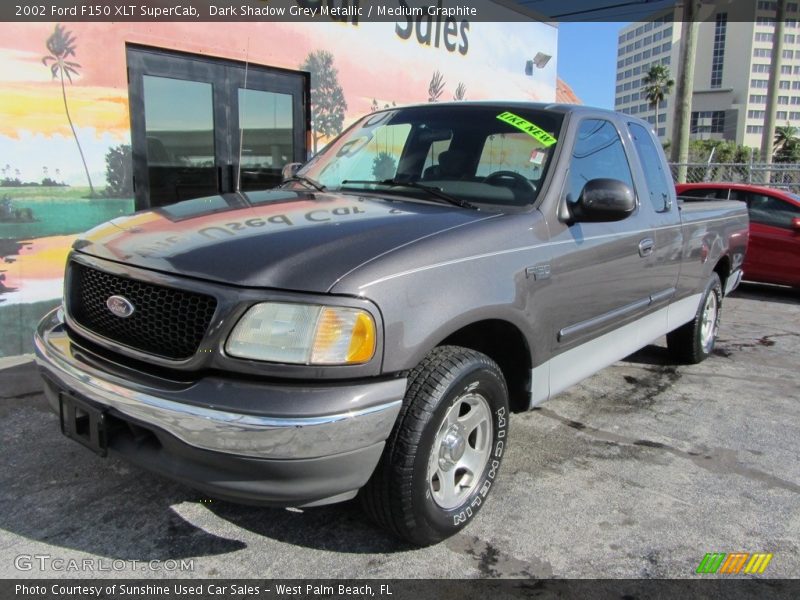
(49, 151)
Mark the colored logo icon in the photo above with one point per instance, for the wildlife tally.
(734, 563)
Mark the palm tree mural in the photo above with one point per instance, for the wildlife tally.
(657, 86)
(61, 45)
(461, 92)
(435, 87)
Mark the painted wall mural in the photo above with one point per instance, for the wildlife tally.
(65, 154)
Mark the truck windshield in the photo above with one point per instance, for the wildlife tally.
(463, 155)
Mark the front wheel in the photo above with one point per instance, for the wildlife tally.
(693, 343)
(443, 455)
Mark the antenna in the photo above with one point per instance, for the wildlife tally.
(241, 128)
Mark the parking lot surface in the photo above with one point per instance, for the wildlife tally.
(636, 472)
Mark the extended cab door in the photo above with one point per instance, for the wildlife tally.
(602, 272)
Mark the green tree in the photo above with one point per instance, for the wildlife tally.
(786, 134)
(384, 166)
(789, 152)
(657, 86)
(119, 172)
(328, 104)
(61, 45)
(435, 87)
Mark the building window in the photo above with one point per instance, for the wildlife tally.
(718, 56)
(765, 5)
(783, 99)
(635, 110)
(656, 36)
(795, 99)
(648, 26)
(628, 73)
(789, 38)
(788, 54)
(629, 48)
(781, 115)
(796, 85)
(665, 47)
(626, 98)
(635, 96)
(755, 129)
(786, 70)
(647, 54)
(762, 52)
(640, 30)
(794, 116)
(708, 121)
(758, 99)
(784, 84)
(756, 114)
(759, 83)
(620, 64)
(637, 44)
(648, 40)
(637, 57)
(760, 68)
(628, 61)
(629, 36)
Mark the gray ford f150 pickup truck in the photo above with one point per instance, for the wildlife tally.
(368, 326)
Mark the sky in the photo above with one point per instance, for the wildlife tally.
(587, 60)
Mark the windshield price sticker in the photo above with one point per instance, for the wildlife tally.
(539, 134)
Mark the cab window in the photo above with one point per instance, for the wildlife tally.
(598, 153)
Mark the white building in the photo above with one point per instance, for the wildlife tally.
(732, 67)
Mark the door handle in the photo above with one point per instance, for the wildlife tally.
(646, 247)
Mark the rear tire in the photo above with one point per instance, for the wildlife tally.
(694, 342)
(444, 452)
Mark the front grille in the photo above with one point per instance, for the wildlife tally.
(166, 321)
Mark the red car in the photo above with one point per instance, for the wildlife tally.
(773, 254)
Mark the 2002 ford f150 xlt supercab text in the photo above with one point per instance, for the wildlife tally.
(367, 327)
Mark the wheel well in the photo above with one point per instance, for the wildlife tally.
(504, 344)
(723, 269)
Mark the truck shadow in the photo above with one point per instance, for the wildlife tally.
(336, 528)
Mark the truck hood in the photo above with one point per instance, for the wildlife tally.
(278, 239)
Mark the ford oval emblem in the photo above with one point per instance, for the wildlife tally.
(120, 306)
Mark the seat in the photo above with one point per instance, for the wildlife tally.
(452, 165)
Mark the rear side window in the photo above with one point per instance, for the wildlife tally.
(598, 153)
(771, 211)
(707, 193)
(659, 185)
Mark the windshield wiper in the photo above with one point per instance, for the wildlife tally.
(433, 191)
(307, 180)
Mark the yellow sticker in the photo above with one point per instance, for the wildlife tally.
(539, 134)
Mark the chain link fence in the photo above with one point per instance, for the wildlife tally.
(784, 176)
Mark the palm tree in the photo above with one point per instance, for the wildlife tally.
(461, 92)
(784, 136)
(657, 86)
(61, 45)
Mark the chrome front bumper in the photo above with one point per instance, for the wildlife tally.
(329, 418)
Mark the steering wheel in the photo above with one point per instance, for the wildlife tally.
(520, 182)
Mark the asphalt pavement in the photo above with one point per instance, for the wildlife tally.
(637, 472)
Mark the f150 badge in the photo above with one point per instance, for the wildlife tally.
(120, 306)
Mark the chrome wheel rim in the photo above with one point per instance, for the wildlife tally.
(708, 325)
(460, 451)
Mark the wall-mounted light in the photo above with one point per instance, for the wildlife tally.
(539, 61)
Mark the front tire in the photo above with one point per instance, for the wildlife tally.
(443, 455)
(694, 342)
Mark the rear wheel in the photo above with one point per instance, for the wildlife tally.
(693, 343)
(443, 455)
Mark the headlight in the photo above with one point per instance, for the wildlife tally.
(303, 334)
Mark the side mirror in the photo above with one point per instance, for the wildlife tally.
(290, 170)
(796, 224)
(603, 200)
